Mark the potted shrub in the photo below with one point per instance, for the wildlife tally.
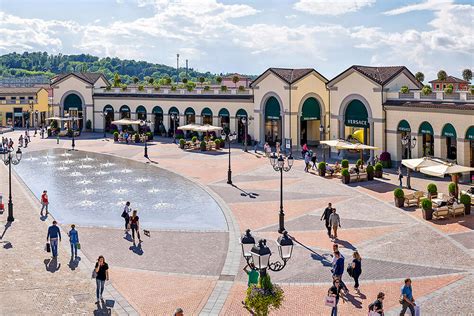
(203, 146)
(399, 196)
(194, 139)
(345, 176)
(359, 162)
(452, 189)
(426, 90)
(224, 88)
(207, 88)
(241, 88)
(426, 206)
(173, 88)
(386, 160)
(345, 163)
(149, 135)
(466, 200)
(141, 88)
(378, 172)
(88, 125)
(370, 173)
(261, 298)
(116, 136)
(124, 88)
(136, 137)
(404, 90)
(218, 143)
(432, 190)
(322, 168)
(182, 142)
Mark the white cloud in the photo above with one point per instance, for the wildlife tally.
(433, 5)
(334, 7)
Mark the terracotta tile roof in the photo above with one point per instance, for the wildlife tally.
(432, 104)
(230, 76)
(90, 77)
(291, 75)
(381, 75)
(19, 90)
(450, 79)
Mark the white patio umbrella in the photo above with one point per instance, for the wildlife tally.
(208, 128)
(418, 163)
(188, 127)
(126, 122)
(440, 170)
(56, 118)
(337, 143)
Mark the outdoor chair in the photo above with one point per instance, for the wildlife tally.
(441, 196)
(354, 177)
(457, 209)
(363, 176)
(413, 199)
(442, 211)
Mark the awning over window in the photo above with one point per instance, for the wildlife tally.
(224, 112)
(157, 110)
(470, 133)
(272, 109)
(311, 110)
(124, 108)
(241, 113)
(173, 110)
(206, 112)
(73, 101)
(141, 109)
(189, 111)
(449, 131)
(426, 128)
(404, 126)
(356, 114)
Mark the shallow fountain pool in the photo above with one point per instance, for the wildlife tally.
(91, 189)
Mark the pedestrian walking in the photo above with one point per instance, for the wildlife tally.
(126, 216)
(314, 159)
(334, 222)
(400, 176)
(307, 159)
(304, 150)
(326, 214)
(377, 305)
(356, 268)
(253, 276)
(178, 312)
(335, 291)
(338, 269)
(20, 141)
(73, 240)
(54, 234)
(135, 226)
(101, 275)
(268, 150)
(406, 298)
(44, 203)
(255, 146)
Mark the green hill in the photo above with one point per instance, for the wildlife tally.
(42, 63)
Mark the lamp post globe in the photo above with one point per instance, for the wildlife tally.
(261, 256)
(285, 246)
(247, 242)
(105, 119)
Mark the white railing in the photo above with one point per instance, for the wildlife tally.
(417, 95)
(167, 90)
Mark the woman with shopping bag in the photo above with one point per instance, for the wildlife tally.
(333, 296)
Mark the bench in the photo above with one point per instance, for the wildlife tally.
(442, 211)
(457, 209)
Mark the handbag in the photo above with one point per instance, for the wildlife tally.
(417, 310)
(94, 274)
(48, 247)
(330, 301)
(350, 269)
(78, 245)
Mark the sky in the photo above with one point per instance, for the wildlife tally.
(224, 36)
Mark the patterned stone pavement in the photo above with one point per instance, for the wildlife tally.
(189, 270)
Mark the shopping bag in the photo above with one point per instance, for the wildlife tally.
(48, 247)
(372, 313)
(330, 301)
(146, 232)
(78, 245)
(94, 274)
(417, 310)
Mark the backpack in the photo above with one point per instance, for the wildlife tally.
(124, 214)
(350, 269)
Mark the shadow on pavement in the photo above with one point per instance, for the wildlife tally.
(52, 265)
(321, 258)
(352, 299)
(74, 263)
(345, 244)
(104, 308)
(251, 195)
(137, 249)
(7, 225)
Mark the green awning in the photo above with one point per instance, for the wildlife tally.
(426, 128)
(206, 112)
(124, 108)
(449, 131)
(272, 109)
(470, 133)
(173, 110)
(73, 101)
(311, 110)
(241, 113)
(108, 108)
(356, 114)
(223, 112)
(157, 110)
(189, 111)
(404, 126)
(141, 109)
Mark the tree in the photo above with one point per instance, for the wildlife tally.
(442, 75)
(420, 76)
(151, 80)
(467, 74)
(117, 80)
(201, 80)
(219, 80)
(184, 80)
(168, 81)
(235, 79)
(135, 80)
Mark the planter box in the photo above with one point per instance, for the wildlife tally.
(428, 214)
(370, 176)
(345, 179)
(322, 173)
(378, 174)
(467, 209)
(399, 202)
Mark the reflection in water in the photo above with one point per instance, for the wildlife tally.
(92, 197)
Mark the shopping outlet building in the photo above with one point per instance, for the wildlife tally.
(300, 105)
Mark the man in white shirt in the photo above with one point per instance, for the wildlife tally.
(335, 222)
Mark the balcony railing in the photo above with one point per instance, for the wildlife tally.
(164, 90)
(414, 95)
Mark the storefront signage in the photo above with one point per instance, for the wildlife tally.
(425, 131)
(357, 122)
(404, 129)
(449, 134)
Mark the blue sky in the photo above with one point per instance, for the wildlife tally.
(250, 36)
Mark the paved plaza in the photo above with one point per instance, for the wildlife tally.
(201, 270)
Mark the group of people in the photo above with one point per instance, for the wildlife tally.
(354, 269)
(132, 222)
(6, 145)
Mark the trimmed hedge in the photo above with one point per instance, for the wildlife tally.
(345, 163)
(398, 193)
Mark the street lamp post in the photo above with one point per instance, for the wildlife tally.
(8, 160)
(409, 144)
(258, 255)
(321, 137)
(174, 118)
(229, 138)
(145, 123)
(279, 165)
(105, 118)
(245, 121)
(73, 144)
